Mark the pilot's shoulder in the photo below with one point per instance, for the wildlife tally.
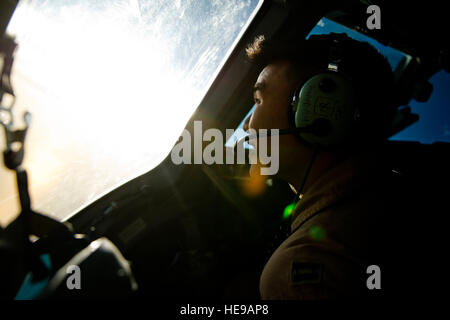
(306, 269)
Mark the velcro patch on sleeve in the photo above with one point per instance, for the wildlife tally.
(302, 273)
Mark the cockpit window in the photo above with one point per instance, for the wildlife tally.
(110, 85)
(434, 114)
(394, 56)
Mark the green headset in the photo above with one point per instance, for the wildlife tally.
(327, 102)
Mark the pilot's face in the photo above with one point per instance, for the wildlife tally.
(272, 94)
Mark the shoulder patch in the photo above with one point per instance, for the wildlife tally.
(302, 273)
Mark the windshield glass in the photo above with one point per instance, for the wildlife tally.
(110, 85)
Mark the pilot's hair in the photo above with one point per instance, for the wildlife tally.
(370, 72)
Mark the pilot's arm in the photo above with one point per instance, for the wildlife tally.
(304, 269)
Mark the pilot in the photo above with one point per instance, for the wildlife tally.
(333, 230)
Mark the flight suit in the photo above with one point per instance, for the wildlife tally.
(334, 234)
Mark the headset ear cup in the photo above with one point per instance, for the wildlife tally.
(328, 96)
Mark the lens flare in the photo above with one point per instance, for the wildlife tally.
(317, 233)
(288, 211)
(256, 185)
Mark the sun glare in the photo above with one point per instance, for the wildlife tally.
(110, 85)
(101, 93)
